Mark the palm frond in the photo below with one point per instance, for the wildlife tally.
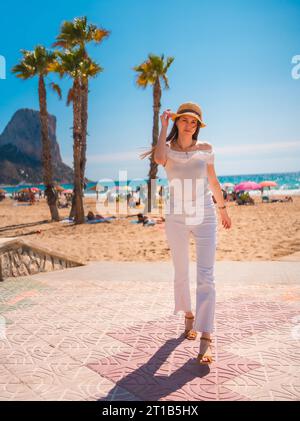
(89, 68)
(70, 96)
(99, 34)
(22, 71)
(79, 33)
(141, 81)
(35, 62)
(151, 69)
(56, 88)
(166, 82)
(168, 64)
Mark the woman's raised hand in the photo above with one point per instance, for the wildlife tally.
(164, 118)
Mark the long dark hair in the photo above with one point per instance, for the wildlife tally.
(172, 136)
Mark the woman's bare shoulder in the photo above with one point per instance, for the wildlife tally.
(204, 146)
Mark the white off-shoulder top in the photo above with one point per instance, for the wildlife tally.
(187, 177)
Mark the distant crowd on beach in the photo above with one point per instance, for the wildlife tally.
(134, 198)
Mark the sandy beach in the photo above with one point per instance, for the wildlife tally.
(265, 231)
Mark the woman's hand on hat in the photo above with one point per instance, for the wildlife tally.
(164, 118)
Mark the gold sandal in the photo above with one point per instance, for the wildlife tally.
(205, 357)
(189, 333)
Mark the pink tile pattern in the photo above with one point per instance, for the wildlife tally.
(82, 335)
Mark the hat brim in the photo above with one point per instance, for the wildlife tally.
(175, 115)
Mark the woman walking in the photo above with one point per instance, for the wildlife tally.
(190, 208)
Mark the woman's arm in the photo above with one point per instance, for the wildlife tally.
(218, 195)
(214, 185)
(160, 154)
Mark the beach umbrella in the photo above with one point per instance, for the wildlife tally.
(26, 190)
(267, 184)
(67, 191)
(247, 185)
(228, 186)
(59, 188)
(2, 191)
(97, 187)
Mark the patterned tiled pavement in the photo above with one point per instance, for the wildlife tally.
(107, 332)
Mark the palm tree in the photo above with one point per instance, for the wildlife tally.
(37, 63)
(80, 68)
(78, 34)
(151, 72)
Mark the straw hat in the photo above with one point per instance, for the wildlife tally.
(189, 108)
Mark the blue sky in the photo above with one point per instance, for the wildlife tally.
(234, 58)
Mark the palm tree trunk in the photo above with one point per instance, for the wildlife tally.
(77, 151)
(50, 192)
(84, 119)
(155, 133)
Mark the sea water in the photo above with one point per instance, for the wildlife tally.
(288, 183)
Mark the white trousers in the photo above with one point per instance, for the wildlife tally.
(205, 233)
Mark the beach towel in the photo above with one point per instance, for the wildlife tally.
(96, 221)
(92, 221)
(66, 221)
(148, 223)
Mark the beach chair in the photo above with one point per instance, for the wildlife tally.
(265, 199)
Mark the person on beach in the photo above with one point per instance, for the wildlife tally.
(31, 196)
(188, 160)
(91, 216)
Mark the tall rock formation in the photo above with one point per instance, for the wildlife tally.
(21, 150)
